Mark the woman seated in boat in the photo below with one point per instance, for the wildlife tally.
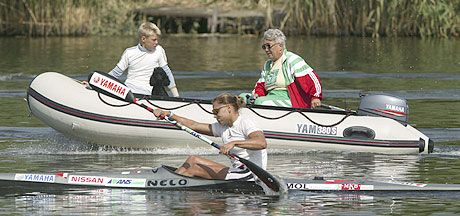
(240, 137)
(141, 60)
(286, 79)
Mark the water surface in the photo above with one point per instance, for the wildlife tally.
(426, 72)
(44, 150)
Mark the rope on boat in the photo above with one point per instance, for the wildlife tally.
(347, 114)
(114, 105)
(258, 114)
(164, 108)
(303, 114)
(157, 106)
(331, 125)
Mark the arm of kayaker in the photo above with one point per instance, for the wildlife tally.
(202, 128)
(256, 141)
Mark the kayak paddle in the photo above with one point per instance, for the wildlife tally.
(110, 86)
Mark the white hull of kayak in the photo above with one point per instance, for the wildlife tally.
(67, 106)
(164, 178)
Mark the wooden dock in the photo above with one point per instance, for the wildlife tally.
(203, 20)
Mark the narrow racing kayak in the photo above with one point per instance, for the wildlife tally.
(164, 178)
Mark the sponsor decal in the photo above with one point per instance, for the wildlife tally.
(35, 177)
(109, 85)
(126, 182)
(63, 175)
(87, 180)
(316, 129)
(195, 134)
(167, 182)
(350, 186)
(394, 108)
(391, 112)
(328, 186)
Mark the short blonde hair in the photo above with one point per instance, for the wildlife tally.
(148, 29)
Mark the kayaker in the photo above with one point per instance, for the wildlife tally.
(240, 136)
(286, 79)
(141, 60)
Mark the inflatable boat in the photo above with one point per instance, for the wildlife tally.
(379, 125)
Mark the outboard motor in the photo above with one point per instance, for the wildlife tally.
(385, 106)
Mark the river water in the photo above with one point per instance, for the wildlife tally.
(426, 72)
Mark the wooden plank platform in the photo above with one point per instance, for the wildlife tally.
(204, 20)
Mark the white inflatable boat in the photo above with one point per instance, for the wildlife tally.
(380, 124)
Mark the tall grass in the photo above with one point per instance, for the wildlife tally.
(425, 18)
(439, 18)
(67, 17)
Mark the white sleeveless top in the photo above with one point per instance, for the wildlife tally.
(240, 131)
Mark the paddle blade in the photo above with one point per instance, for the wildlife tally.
(267, 178)
(106, 84)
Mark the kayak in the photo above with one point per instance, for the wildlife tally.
(380, 125)
(161, 178)
(164, 178)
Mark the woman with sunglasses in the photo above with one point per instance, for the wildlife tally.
(240, 137)
(286, 79)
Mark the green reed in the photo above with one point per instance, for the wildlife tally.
(67, 17)
(424, 18)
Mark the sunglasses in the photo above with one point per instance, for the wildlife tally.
(268, 46)
(216, 110)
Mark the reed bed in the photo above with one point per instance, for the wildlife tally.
(68, 17)
(424, 18)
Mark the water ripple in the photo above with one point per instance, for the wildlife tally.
(223, 74)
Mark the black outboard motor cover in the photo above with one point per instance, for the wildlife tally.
(384, 105)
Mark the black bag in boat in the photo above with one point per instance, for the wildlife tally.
(159, 80)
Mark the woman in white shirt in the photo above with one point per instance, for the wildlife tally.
(240, 137)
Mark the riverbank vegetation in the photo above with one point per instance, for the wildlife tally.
(423, 18)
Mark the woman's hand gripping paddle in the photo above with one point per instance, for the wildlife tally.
(110, 86)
